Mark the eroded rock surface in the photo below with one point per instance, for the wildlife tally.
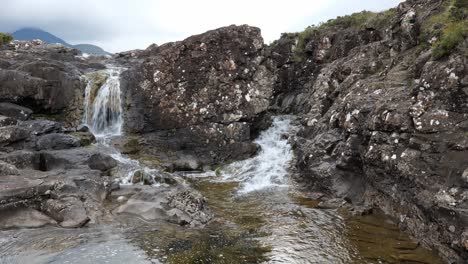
(201, 93)
(384, 123)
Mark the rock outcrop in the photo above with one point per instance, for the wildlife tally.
(201, 92)
(46, 78)
(384, 123)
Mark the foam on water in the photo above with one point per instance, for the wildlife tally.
(269, 168)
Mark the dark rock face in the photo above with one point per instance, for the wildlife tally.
(15, 111)
(200, 88)
(384, 124)
(57, 141)
(101, 162)
(43, 77)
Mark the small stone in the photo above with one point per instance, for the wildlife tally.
(452, 228)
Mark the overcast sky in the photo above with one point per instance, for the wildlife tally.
(119, 25)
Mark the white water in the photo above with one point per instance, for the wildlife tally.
(104, 114)
(104, 118)
(269, 168)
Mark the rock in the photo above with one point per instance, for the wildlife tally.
(332, 203)
(7, 169)
(40, 127)
(384, 123)
(57, 141)
(86, 138)
(464, 239)
(181, 206)
(45, 78)
(203, 92)
(15, 111)
(24, 218)
(465, 176)
(68, 211)
(82, 128)
(11, 134)
(7, 121)
(101, 162)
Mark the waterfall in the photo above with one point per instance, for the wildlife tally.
(269, 168)
(103, 115)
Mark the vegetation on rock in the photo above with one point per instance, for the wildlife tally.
(447, 29)
(356, 20)
(5, 38)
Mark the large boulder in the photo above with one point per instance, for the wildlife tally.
(201, 88)
(220, 76)
(57, 141)
(101, 162)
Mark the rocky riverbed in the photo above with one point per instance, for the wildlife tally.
(181, 152)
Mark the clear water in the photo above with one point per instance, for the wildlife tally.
(262, 217)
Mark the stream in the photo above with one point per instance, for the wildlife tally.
(262, 216)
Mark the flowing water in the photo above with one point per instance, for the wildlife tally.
(261, 216)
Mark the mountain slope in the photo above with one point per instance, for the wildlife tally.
(36, 33)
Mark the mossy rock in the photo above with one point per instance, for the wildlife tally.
(86, 138)
(97, 80)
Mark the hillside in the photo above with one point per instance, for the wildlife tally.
(35, 33)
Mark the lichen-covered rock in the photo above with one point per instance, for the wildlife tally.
(202, 87)
(384, 124)
(219, 76)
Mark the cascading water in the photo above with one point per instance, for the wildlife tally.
(104, 114)
(269, 168)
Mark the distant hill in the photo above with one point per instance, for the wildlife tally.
(36, 33)
(91, 49)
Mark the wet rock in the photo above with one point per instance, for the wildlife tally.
(82, 128)
(57, 141)
(333, 203)
(101, 162)
(86, 138)
(181, 206)
(15, 111)
(140, 176)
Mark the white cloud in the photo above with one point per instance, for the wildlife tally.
(118, 25)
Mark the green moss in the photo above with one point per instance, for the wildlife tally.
(449, 26)
(5, 38)
(453, 34)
